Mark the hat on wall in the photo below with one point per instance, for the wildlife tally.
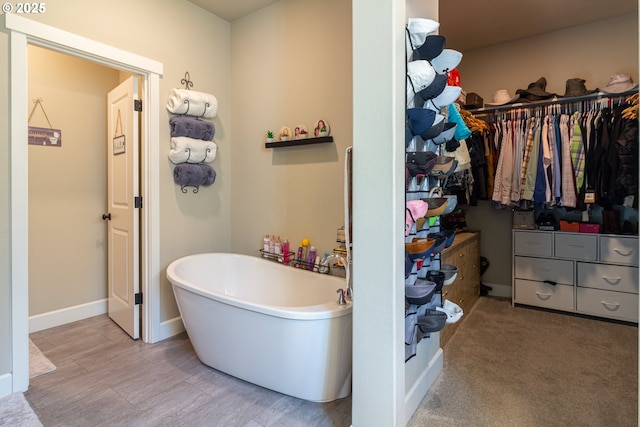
(435, 88)
(418, 29)
(536, 91)
(432, 47)
(501, 97)
(576, 87)
(420, 120)
(446, 61)
(619, 83)
(447, 97)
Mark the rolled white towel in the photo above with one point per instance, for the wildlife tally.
(192, 103)
(190, 150)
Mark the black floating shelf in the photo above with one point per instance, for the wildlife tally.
(299, 142)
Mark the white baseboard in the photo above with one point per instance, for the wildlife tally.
(63, 316)
(499, 290)
(424, 382)
(6, 387)
(171, 327)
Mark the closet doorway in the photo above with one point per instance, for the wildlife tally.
(72, 241)
(22, 33)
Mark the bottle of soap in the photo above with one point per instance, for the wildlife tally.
(265, 246)
(285, 249)
(312, 258)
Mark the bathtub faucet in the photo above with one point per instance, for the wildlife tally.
(347, 268)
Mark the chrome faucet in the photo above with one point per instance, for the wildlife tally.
(347, 268)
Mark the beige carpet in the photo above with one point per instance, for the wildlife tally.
(525, 367)
(39, 364)
(15, 411)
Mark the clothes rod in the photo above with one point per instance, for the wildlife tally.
(552, 101)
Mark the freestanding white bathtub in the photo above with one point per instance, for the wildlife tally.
(272, 325)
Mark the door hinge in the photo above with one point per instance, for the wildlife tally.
(137, 202)
(138, 298)
(137, 104)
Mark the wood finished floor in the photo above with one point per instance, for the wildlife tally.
(104, 378)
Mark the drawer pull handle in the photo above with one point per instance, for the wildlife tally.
(576, 246)
(543, 296)
(533, 243)
(612, 306)
(612, 280)
(550, 282)
(623, 252)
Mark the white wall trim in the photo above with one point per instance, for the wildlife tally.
(171, 327)
(63, 316)
(72, 44)
(423, 383)
(21, 32)
(6, 385)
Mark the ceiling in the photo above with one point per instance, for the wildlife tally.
(472, 24)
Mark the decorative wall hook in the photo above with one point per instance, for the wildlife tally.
(188, 84)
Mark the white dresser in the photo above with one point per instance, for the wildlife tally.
(594, 274)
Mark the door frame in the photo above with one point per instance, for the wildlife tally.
(22, 32)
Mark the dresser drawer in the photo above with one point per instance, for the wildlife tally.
(541, 269)
(532, 243)
(543, 295)
(618, 305)
(608, 277)
(619, 250)
(576, 246)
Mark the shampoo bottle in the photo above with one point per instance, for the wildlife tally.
(312, 258)
(285, 249)
(265, 246)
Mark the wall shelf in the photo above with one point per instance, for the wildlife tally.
(298, 142)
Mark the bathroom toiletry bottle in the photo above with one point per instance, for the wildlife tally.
(324, 267)
(278, 249)
(299, 257)
(265, 246)
(285, 249)
(312, 258)
(272, 245)
(316, 265)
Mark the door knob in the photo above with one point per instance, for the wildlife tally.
(106, 216)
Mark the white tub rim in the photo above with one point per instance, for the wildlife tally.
(326, 310)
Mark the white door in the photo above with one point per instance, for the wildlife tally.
(122, 215)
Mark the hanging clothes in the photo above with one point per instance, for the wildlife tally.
(553, 155)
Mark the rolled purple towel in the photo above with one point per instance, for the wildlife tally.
(208, 175)
(188, 174)
(192, 128)
(194, 174)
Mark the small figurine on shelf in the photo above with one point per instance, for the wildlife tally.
(269, 136)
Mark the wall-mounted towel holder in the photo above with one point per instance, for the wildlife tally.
(188, 84)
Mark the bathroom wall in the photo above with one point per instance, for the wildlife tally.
(198, 42)
(291, 65)
(593, 52)
(67, 184)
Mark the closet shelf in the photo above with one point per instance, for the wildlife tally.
(298, 142)
(553, 101)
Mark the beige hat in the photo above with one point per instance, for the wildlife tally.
(501, 97)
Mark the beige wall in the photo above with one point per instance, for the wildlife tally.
(291, 64)
(67, 184)
(593, 52)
